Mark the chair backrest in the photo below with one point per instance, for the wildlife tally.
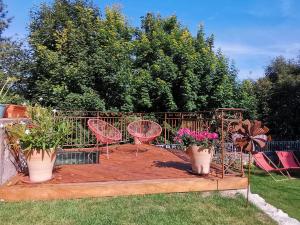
(288, 159)
(145, 130)
(261, 161)
(104, 132)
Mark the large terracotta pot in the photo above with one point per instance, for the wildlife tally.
(200, 158)
(15, 111)
(40, 166)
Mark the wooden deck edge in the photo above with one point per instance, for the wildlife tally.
(117, 188)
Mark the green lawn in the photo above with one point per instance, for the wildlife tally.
(164, 209)
(284, 195)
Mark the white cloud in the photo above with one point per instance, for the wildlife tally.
(238, 49)
(251, 60)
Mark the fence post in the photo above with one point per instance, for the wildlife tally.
(165, 127)
(222, 142)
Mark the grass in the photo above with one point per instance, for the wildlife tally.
(284, 195)
(161, 209)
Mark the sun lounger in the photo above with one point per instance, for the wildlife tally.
(267, 165)
(288, 160)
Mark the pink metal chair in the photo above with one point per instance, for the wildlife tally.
(144, 131)
(266, 164)
(104, 132)
(288, 159)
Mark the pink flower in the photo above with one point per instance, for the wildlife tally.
(183, 131)
(200, 137)
(205, 133)
(212, 136)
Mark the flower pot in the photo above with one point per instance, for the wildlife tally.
(15, 111)
(200, 158)
(40, 166)
(2, 110)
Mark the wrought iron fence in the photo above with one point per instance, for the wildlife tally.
(82, 138)
(220, 120)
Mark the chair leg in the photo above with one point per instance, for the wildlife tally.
(287, 177)
(107, 153)
(137, 150)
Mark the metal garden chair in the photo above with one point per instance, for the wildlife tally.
(104, 132)
(144, 131)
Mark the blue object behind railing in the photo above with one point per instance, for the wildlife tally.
(281, 146)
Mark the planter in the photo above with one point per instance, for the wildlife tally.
(200, 158)
(40, 166)
(2, 110)
(15, 111)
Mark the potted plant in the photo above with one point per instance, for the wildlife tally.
(39, 140)
(199, 147)
(5, 84)
(15, 111)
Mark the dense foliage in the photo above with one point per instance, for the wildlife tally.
(278, 97)
(83, 60)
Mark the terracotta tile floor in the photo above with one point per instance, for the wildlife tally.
(123, 165)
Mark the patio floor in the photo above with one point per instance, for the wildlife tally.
(153, 170)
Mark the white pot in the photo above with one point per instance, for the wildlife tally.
(200, 158)
(40, 168)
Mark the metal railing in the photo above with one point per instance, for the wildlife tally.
(220, 120)
(281, 145)
(170, 122)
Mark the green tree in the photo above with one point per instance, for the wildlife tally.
(87, 61)
(278, 94)
(13, 58)
(186, 73)
(80, 55)
(247, 99)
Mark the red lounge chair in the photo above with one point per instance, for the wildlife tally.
(144, 131)
(104, 132)
(267, 165)
(288, 159)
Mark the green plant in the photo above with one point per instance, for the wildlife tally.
(42, 133)
(5, 84)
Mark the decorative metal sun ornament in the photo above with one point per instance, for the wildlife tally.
(249, 134)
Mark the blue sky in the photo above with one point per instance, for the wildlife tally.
(250, 32)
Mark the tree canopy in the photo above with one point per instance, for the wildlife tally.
(278, 95)
(80, 58)
(89, 61)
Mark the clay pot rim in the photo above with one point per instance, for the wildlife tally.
(16, 105)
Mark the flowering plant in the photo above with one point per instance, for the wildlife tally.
(43, 132)
(186, 137)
